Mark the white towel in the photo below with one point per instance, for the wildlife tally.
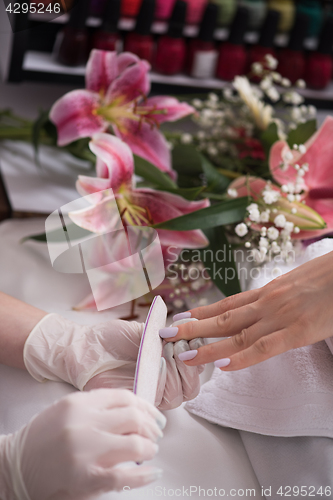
(288, 395)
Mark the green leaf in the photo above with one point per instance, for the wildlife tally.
(219, 262)
(220, 214)
(302, 133)
(57, 236)
(269, 137)
(152, 174)
(187, 193)
(186, 160)
(80, 149)
(37, 128)
(217, 183)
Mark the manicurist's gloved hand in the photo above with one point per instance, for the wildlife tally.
(105, 355)
(71, 450)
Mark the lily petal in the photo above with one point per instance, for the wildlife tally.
(102, 217)
(132, 83)
(116, 155)
(88, 185)
(325, 209)
(248, 186)
(126, 59)
(102, 70)
(161, 209)
(75, 116)
(173, 109)
(147, 142)
(185, 206)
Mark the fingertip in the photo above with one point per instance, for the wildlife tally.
(168, 332)
(222, 363)
(183, 315)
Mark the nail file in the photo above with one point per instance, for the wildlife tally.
(150, 352)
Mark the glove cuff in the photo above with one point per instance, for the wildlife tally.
(12, 486)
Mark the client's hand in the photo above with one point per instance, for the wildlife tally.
(104, 355)
(291, 311)
(71, 449)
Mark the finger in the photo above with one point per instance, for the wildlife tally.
(227, 304)
(117, 378)
(119, 479)
(230, 346)
(224, 325)
(264, 348)
(189, 375)
(117, 398)
(133, 421)
(195, 344)
(131, 448)
(173, 393)
(161, 382)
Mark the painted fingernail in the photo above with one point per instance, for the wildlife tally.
(156, 474)
(161, 420)
(187, 355)
(170, 331)
(183, 315)
(222, 363)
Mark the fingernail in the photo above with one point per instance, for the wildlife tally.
(156, 474)
(187, 355)
(161, 420)
(168, 332)
(222, 363)
(183, 315)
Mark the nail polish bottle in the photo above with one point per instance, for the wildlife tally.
(164, 8)
(140, 41)
(287, 13)
(130, 8)
(227, 10)
(313, 10)
(195, 11)
(292, 58)
(171, 48)
(201, 53)
(265, 44)
(257, 12)
(232, 57)
(73, 42)
(319, 65)
(107, 37)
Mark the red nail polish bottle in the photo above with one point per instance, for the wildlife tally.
(319, 65)
(265, 44)
(171, 48)
(232, 56)
(292, 59)
(107, 37)
(201, 53)
(73, 43)
(140, 41)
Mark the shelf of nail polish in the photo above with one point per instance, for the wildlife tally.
(38, 62)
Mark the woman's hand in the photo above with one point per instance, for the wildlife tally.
(105, 356)
(71, 450)
(291, 311)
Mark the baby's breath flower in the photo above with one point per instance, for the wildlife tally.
(285, 82)
(264, 216)
(296, 229)
(289, 226)
(241, 229)
(271, 61)
(186, 138)
(247, 244)
(257, 68)
(197, 103)
(294, 210)
(302, 149)
(270, 196)
(212, 150)
(273, 94)
(300, 84)
(280, 220)
(232, 193)
(272, 233)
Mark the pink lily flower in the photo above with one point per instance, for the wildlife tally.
(115, 99)
(317, 180)
(137, 206)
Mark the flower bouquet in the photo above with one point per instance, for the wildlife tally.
(251, 170)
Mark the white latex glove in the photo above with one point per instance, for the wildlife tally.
(105, 355)
(71, 449)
